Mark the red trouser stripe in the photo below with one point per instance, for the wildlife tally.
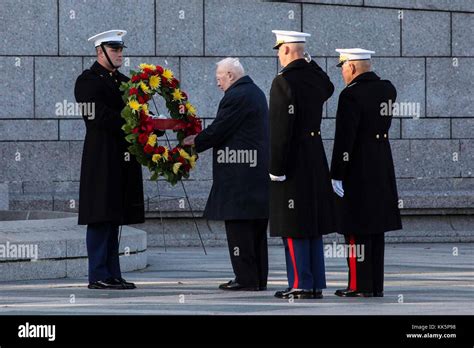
(352, 265)
(293, 260)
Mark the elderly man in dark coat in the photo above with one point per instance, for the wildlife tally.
(239, 194)
(111, 187)
(301, 197)
(362, 171)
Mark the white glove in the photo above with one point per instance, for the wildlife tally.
(277, 178)
(337, 187)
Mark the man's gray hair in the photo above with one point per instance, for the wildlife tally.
(233, 65)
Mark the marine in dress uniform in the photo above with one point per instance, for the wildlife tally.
(111, 186)
(301, 197)
(362, 171)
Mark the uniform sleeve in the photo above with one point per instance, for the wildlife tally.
(232, 112)
(282, 116)
(88, 90)
(347, 123)
(328, 86)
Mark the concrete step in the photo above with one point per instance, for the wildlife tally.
(53, 246)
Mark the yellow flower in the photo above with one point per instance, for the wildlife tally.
(145, 108)
(192, 161)
(134, 105)
(168, 74)
(152, 140)
(149, 66)
(155, 81)
(144, 87)
(191, 109)
(156, 157)
(177, 96)
(176, 167)
(165, 154)
(184, 154)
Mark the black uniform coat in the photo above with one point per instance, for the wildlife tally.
(362, 158)
(239, 191)
(302, 205)
(111, 188)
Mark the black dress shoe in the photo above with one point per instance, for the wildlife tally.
(125, 284)
(352, 293)
(378, 294)
(233, 285)
(317, 293)
(295, 293)
(340, 292)
(106, 284)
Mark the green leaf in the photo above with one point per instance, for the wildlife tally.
(131, 137)
(127, 128)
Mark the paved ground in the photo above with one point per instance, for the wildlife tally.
(420, 279)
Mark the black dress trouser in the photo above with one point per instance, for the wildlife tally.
(247, 241)
(366, 271)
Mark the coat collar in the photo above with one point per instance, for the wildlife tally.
(241, 81)
(296, 64)
(367, 76)
(107, 76)
(100, 70)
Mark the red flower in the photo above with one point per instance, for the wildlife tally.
(159, 70)
(133, 91)
(148, 71)
(135, 130)
(181, 160)
(143, 75)
(141, 100)
(135, 78)
(143, 116)
(143, 138)
(160, 150)
(187, 167)
(148, 149)
(174, 83)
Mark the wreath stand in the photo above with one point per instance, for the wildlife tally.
(168, 198)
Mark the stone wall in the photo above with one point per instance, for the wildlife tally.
(424, 47)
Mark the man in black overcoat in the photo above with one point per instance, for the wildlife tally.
(363, 173)
(239, 193)
(111, 186)
(301, 197)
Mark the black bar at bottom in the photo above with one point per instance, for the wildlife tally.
(236, 330)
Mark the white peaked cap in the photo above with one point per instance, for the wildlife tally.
(346, 54)
(286, 36)
(114, 37)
